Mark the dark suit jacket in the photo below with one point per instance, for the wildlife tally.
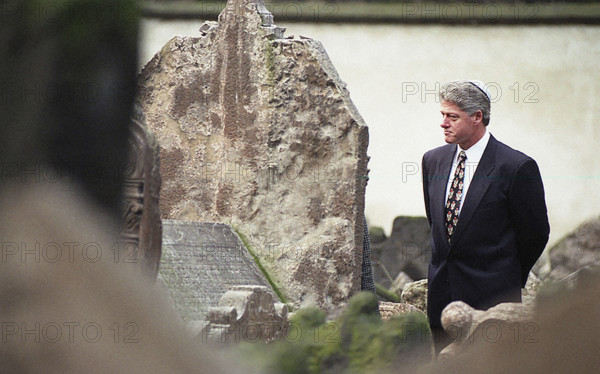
(502, 229)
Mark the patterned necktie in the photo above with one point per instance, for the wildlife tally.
(455, 195)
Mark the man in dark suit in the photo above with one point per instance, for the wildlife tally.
(486, 209)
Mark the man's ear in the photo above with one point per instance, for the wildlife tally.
(478, 116)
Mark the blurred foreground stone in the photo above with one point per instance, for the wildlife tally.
(68, 71)
(559, 336)
(465, 325)
(71, 304)
(578, 249)
(74, 299)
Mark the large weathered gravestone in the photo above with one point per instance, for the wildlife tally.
(259, 132)
(201, 262)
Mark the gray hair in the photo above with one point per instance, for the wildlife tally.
(468, 97)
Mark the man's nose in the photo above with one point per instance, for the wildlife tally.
(445, 123)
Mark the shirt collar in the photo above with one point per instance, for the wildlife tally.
(475, 152)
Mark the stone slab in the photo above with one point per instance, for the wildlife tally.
(200, 262)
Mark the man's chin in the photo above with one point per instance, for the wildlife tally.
(449, 139)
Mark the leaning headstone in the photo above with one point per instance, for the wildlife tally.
(141, 233)
(259, 132)
(408, 250)
(200, 262)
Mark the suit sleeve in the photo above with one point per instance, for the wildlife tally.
(529, 215)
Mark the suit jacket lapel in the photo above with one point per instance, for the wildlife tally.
(439, 193)
(479, 185)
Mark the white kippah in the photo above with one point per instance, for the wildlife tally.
(482, 87)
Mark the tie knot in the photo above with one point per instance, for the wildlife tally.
(462, 156)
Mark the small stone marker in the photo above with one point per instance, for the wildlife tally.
(246, 313)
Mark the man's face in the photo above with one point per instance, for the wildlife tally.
(459, 127)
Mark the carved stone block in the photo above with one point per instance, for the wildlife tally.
(141, 235)
(246, 313)
(200, 262)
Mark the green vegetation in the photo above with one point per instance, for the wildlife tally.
(357, 342)
(386, 294)
(262, 268)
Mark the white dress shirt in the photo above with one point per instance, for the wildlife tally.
(474, 154)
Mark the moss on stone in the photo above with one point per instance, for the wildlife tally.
(262, 268)
(386, 294)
